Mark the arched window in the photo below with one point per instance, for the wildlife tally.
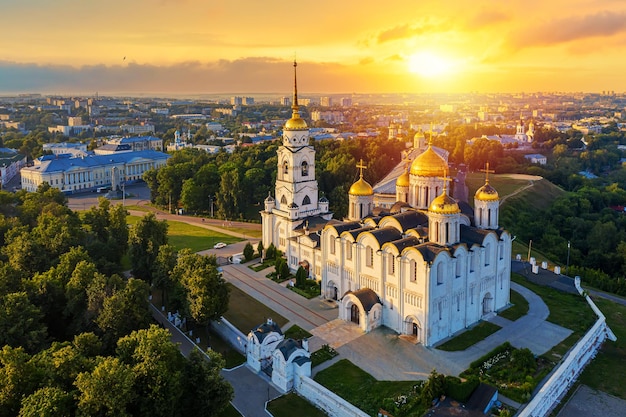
(285, 168)
(413, 266)
(348, 250)
(283, 200)
(305, 169)
(440, 273)
(459, 265)
(306, 200)
(487, 254)
(369, 256)
(391, 268)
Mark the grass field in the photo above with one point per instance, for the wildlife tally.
(246, 313)
(229, 411)
(607, 372)
(518, 309)
(503, 184)
(360, 388)
(183, 235)
(470, 337)
(293, 405)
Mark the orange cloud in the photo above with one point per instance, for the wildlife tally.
(602, 24)
(408, 31)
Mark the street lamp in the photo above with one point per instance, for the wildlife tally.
(567, 265)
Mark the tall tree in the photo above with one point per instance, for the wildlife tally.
(144, 241)
(106, 391)
(20, 322)
(205, 392)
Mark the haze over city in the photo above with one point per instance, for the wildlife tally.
(196, 47)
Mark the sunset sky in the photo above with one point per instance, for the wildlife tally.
(342, 46)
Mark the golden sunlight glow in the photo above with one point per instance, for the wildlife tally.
(430, 65)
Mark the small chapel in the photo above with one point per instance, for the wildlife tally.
(408, 256)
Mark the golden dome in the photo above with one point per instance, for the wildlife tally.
(403, 180)
(296, 123)
(444, 204)
(429, 164)
(362, 188)
(486, 193)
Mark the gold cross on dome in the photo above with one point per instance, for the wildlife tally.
(445, 180)
(487, 171)
(361, 167)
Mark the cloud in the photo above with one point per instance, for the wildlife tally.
(248, 75)
(408, 31)
(602, 24)
(486, 18)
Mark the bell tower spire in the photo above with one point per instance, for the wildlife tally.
(295, 107)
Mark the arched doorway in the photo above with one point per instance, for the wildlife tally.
(332, 291)
(355, 314)
(413, 329)
(487, 303)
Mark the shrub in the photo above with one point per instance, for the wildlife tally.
(460, 391)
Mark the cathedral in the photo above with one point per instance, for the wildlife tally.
(408, 256)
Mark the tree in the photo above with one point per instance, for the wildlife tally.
(248, 252)
(301, 277)
(16, 379)
(106, 391)
(47, 402)
(162, 270)
(228, 198)
(259, 249)
(144, 241)
(20, 322)
(205, 392)
(206, 290)
(157, 365)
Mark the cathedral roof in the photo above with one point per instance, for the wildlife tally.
(361, 188)
(486, 193)
(430, 251)
(367, 297)
(429, 164)
(473, 235)
(410, 219)
(404, 243)
(388, 184)
(467, 210)
(341, 227)
(296, 123)
(444, 204)
(386, 234)
(403, 180)
(398, 206)
(355, 232)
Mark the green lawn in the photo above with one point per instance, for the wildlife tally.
(246, 313)
(229, 411)
(291, 405)
(325, 353)
(607, 372)
(360, 388)
(297, 332)
(470, 337)
(183, 235)
(518, 309)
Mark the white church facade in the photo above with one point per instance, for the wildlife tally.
(426, 266)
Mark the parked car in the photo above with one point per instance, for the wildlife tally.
(219, 245)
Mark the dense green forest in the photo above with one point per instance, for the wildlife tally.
(76, 337)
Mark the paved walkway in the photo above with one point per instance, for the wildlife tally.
(587, 402)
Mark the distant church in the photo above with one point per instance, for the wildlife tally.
(408, 256)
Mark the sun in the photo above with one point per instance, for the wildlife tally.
(430, 65)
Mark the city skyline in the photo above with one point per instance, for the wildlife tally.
(191, 47)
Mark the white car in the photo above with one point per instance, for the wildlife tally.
(219, 245)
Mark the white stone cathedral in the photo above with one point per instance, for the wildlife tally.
(427, 267)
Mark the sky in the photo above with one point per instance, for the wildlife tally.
(345, 46)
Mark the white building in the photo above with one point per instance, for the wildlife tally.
(10, 164)
(90, 172)
(428, 266)
(75, 149)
